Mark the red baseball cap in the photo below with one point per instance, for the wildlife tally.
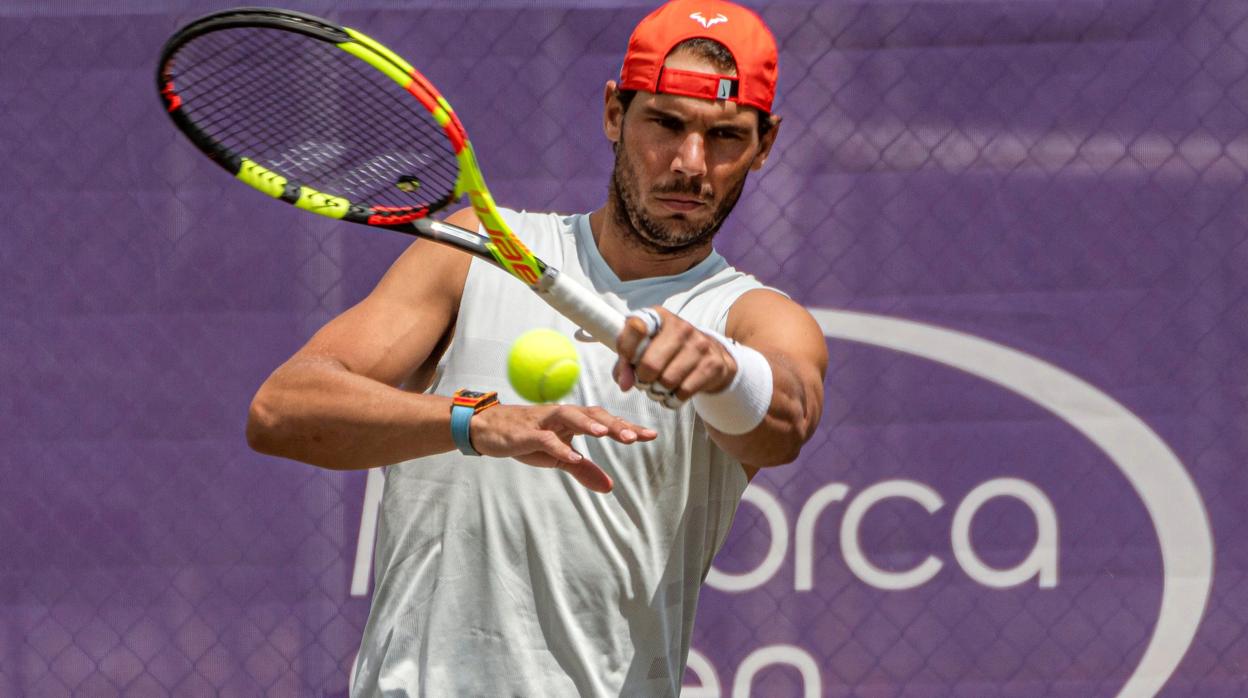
(737, 28)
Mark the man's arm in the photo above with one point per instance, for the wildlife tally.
(337, 402)
(687, 361)
(794, 345)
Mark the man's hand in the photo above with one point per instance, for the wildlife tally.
(541, 436)
(764, 326)
(679, 357)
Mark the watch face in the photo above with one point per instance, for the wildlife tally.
(476, 400)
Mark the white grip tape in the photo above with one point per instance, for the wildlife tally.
(582, 306)
(594, 315)
(741, 406)
(659, 393)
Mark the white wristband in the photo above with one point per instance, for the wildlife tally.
(741, 406)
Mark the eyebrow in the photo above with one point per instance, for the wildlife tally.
(731, 126)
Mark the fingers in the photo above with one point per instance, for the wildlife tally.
(681, 369)
(634, 342)
(561, 455)
(644, 332)
(596, 422)
(676, 363)
(660, 394)
(575, 420)
(541, 436)
(634, 339)
(584, 471)
(621, 430)
(662, 350)
(623, 374)
(704, 377)
(555, 451)
(567, 459)
(711, 372)
(513, 430)
(588, 474)
(556, 447)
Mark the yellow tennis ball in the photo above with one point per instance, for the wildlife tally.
(543, 365)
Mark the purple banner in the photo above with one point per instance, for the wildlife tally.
(1023, 228)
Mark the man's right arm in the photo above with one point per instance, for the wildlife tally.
(337, 402)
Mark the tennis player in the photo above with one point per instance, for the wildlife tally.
(558, 550)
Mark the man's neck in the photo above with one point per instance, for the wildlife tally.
(629, 259)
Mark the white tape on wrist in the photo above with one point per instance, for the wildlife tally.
(741, 406)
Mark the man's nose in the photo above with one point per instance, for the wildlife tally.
(690, 159)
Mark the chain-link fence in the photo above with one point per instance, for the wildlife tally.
(1023, 225)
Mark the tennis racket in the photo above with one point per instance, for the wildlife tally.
(327, 119)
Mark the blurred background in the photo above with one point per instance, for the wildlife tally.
(1064, 181)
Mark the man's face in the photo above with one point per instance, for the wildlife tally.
(681, 163)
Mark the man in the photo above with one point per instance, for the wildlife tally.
(493, 578)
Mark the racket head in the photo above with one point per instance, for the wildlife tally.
(312, 113)
(328, 119)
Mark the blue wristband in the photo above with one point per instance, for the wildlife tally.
(461, 416)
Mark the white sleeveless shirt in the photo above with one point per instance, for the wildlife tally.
(494, 578)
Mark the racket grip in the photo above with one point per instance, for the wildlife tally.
(581, 305)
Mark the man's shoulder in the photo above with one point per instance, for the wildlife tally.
(543, 232)
(732, 279)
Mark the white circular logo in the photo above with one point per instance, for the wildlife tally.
(1155, 473)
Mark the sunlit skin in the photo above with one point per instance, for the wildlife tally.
(350, 398)
(681, 163)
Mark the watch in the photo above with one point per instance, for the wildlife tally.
(464, 404)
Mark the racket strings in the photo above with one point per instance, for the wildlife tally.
(316, 115)
(310, 122)
(221, 83)
(236, 92)
(226, 111)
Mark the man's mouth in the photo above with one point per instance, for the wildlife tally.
(682, 204)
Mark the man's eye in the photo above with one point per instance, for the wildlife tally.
(668, 123)
(727, 134)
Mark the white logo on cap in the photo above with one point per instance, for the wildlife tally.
(706, 23)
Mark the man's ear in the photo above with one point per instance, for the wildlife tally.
(612, 112)
(769, 140)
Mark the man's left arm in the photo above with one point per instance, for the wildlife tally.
(759, 388)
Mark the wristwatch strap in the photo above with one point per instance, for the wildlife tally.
(464, 404)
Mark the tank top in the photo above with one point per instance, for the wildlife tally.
(494, 578)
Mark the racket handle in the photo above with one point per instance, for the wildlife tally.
(580, 305)
(577, 303)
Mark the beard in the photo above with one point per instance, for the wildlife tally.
(677, 234)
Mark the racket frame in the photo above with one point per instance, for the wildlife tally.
(501, 248)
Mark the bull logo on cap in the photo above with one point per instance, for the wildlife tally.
(707, 23)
